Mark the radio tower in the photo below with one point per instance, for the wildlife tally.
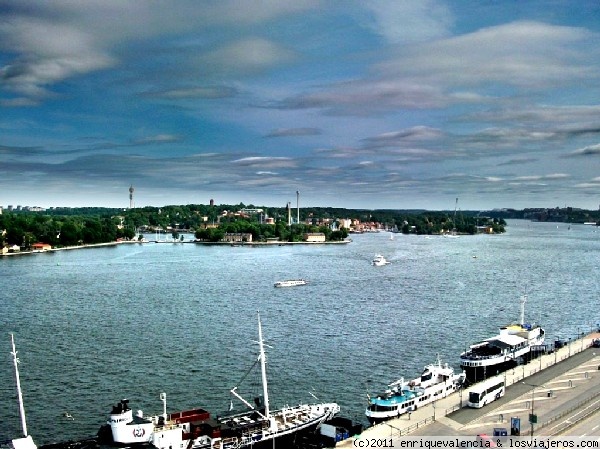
(131, 197)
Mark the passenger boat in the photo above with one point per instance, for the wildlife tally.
(379, 260)
(26, 441)
(291, 283)
(196, 429)
(512, 346)
(436, 381)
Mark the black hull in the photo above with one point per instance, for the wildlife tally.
(301, 439)
(374, 421)
(480, 373)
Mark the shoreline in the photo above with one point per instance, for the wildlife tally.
(233, 244)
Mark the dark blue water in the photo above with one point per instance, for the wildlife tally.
(97, 325)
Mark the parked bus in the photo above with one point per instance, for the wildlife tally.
(485, 392)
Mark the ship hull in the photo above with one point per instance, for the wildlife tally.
(291, 441)
(479, 373)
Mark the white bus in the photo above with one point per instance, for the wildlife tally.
(485, 392)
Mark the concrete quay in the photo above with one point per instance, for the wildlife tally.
(560, 387)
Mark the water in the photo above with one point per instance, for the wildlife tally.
(97, 325)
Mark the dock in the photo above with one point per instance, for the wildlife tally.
(552, 386)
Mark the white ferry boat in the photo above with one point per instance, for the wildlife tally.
(513, 345)
(257, 428)
(437, 381)
(291, 283)
(379, 260)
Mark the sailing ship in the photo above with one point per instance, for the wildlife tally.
(259, 427)
(26, 441)
(512, 346)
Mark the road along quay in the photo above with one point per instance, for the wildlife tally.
(553, 387)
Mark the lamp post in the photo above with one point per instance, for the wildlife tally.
(569, 346)
(555, 351)
(392, 428)
(532, 415)
(433, 403)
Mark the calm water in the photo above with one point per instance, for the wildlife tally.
(97, 325)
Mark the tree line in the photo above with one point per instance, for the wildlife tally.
(76, 226)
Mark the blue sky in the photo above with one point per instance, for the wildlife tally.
(356, 104)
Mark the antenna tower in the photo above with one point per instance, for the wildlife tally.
(131, 189)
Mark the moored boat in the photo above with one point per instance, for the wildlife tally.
(291, 283)
(259, 427)
(436, 381)
(512, 346)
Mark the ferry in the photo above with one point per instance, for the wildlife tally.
(512, 346)
(257, 428)
(436, 381)
(291, 283)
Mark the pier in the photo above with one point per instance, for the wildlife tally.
(559, 388)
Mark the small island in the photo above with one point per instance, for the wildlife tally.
(37, 229)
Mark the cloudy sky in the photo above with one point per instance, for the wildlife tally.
(356, 104)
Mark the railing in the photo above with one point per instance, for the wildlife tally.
(415, 426)
(571, 410)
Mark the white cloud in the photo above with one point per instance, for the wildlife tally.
(54, 41)
(528, 54)
(408, 20)
(246, 55)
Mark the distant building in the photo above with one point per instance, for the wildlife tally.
(314, 237)
(249, 211)
(41, 246)
(237, 237)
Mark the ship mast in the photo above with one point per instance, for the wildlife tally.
(454, 219)
(19, 393)
(523, 300)
(263, 368)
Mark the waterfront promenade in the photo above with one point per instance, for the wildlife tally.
(561, 388)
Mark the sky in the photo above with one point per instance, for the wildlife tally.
(360, 104)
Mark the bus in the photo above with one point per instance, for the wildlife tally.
(485, 392)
